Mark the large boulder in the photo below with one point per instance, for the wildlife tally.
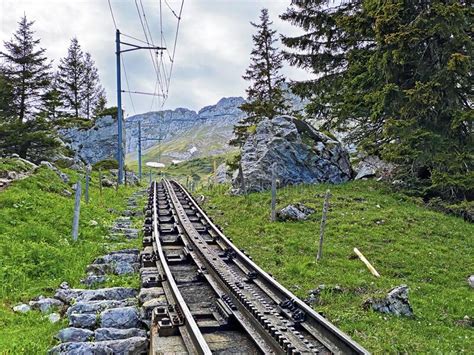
(297, 151)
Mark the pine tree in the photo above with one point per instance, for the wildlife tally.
(398, 73)
(93, 92)
(52, 102)
(264, 95)
(71, 79)
(26, 69)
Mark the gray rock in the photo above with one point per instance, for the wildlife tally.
(395, 303)
(222, 174)
(126, 317)
(123, 268)
(85, 142)
(373, 166)
(113, 293)
(470, 281)
(107, 182)
(74, 335)
(297, 212)
(82, 320)
(86, 348)
(117, 257)
(301, 154)
(147, 294)
(91, 280)
(21, 308)
(99, 306)
(54, 317)
(102, 334)
(45, 304)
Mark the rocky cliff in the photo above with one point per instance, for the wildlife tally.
(93, 144)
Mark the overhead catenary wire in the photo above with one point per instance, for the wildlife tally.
(162, 62)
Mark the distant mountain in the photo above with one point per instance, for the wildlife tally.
(184, 133)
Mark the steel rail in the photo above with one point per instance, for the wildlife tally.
(200, 344)
(336, 340)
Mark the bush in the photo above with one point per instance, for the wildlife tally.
(106, 164)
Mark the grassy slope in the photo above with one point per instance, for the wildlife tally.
(199, 137)
(407, 244)
(37, 252)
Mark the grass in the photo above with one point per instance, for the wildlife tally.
(37, 251)
(407, 244)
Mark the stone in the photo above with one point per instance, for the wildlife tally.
(102, 334)
(93, 223)
(396, 302)
(222, 174)
(54, 317)
(99, 306)
(91, 280)
(12, 175)
(88, 348)
(21, 308)
(297, 212)
(149, 293)
(470, 281)
(299, 153)
(82, 320)
(117, 257)
(72, 334)
(112, 293)
(290, 213)
(107, 183)
(372, 166)
(125, 317)
(123, 268)
(45, 304)
(134, 345)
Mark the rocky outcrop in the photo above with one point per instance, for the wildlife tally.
(222, 174)
(96, 143)
(297, 152)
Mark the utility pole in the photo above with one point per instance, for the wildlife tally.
(119, 109)
(140, 150)
(118, 52)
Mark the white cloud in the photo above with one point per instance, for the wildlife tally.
(212, 53)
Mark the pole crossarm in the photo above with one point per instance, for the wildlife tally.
(137, 47)
(143, 93)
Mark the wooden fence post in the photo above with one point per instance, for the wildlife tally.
(88, 171)
(77, 210)
(273, 193)
(323, 224)
(100, 182)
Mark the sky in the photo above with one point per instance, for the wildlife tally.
(212, 52)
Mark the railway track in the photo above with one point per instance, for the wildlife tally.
(209, 297)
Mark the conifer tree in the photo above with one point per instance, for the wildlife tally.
(52, 103)
(93, 92)
(264, 95)
(26, 69)
(400, 74)
(71, 79)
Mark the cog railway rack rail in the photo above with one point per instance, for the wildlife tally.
(215, 299)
